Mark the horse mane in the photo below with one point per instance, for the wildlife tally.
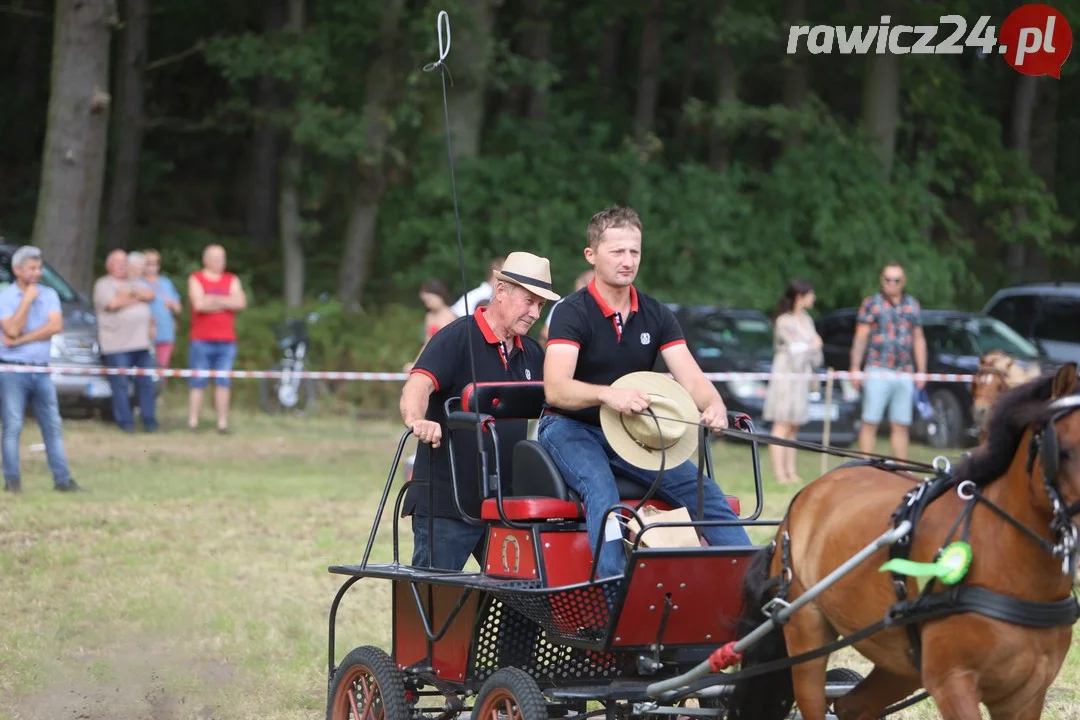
(1014, 411)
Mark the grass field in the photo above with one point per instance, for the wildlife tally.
(190, 582)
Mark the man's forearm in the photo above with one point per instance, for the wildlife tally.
(573, 394)
(413, 405)
(42, 333)
(920, 357)
(704, 393)
(14, 325)
(858, 348)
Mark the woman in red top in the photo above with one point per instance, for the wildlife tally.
(436, 299)
(216, 296)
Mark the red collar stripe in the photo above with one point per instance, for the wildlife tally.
(489, 334)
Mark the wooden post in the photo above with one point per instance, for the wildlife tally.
(828, 419)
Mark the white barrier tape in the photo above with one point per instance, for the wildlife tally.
(399, 376)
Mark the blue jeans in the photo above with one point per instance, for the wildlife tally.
(455, 540)
(144, 389)
(206, 355)
(37, 388)
(586, 462)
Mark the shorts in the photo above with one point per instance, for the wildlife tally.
(211, 355)
(886, 388)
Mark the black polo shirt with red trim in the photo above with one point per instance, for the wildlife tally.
(446, 361)
(610, 345)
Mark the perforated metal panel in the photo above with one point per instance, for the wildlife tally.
(507, 638)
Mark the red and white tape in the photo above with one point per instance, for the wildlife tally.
(399, 376)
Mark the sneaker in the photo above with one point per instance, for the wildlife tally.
(12, 486)
(70, 486)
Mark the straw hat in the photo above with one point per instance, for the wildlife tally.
(531, 272)
(635, 438)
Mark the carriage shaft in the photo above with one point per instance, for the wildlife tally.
(780, 617)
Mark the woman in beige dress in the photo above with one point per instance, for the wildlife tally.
(797, 348)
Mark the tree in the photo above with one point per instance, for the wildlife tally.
(129, 126)
(73, 161)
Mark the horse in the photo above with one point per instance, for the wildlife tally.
(997, 373)
(1029, 470)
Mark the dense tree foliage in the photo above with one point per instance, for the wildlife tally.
(307, 130)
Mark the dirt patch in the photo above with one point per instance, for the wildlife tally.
(133, 681)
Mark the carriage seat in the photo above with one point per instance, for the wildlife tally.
(540, 493)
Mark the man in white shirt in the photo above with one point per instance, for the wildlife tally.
(479, 293)
(582, 281)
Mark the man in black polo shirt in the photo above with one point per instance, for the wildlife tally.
(597, 335)
(502, 353)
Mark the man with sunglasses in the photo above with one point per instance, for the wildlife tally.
(889, 334)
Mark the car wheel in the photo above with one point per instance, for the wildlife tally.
(945, 427)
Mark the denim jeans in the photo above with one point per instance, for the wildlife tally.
(455, 540)
(36, 388)
(144, 389)
(586, 462)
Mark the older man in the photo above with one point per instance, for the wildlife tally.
(124, 333)
(216, 296)
(30, 314)
(503, 353)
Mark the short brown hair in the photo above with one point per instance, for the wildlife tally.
(613, 217)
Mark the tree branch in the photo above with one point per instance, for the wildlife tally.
(177, 57)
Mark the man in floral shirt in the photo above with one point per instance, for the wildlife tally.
(889, 333)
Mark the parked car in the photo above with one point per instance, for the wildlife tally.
(741, 340)
(1047, 314)
(955, 341)
(75, 347)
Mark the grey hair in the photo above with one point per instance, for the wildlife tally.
(26, 252)
(135, 257)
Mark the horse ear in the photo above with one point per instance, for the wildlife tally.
(1065, 382)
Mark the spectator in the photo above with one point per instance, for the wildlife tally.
(165, 305)
(436, 299)
(480, 293)
(124, 320)
(31, 315)
(798, 349)
(582, 282)
(216, 296)
(889, 332)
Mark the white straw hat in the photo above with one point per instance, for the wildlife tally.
(531, 272)
(635, 437)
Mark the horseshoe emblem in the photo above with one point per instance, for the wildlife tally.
(507, 542)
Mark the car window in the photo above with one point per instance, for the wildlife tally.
(839, 331)
(724, 336)
(948, 339)
(1016, 311)
(981, 335)
(1058, 319)
(49, 278)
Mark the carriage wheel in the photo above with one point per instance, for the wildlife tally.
(841, 676)
(367, 686)
(510, 694)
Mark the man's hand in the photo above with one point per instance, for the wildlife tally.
(10, 341)
(427, 431)
(715, 416)
(625, 400)
(31, 293)
(920, 383)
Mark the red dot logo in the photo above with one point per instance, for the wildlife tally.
(1036, 40)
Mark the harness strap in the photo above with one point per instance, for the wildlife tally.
(1012, 521)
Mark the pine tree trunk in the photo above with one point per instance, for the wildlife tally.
(468, 63)
(266, 143)
(538, 49)
(652, 37)
(379, 83)
(128, 131)
(796, 81)
(289, 220)
(73, 161)
(1023, 113)
(727, 93)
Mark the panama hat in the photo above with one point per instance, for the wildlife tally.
(634, 437)
(531, 272)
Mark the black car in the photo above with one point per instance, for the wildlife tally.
(955, 341)
(726, 340)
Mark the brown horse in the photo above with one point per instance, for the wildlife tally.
(997, 373)
(968, 657)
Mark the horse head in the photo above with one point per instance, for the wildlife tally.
(1058, 443)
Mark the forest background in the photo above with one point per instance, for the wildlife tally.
(305, 137)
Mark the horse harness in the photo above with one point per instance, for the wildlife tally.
(960, 598)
